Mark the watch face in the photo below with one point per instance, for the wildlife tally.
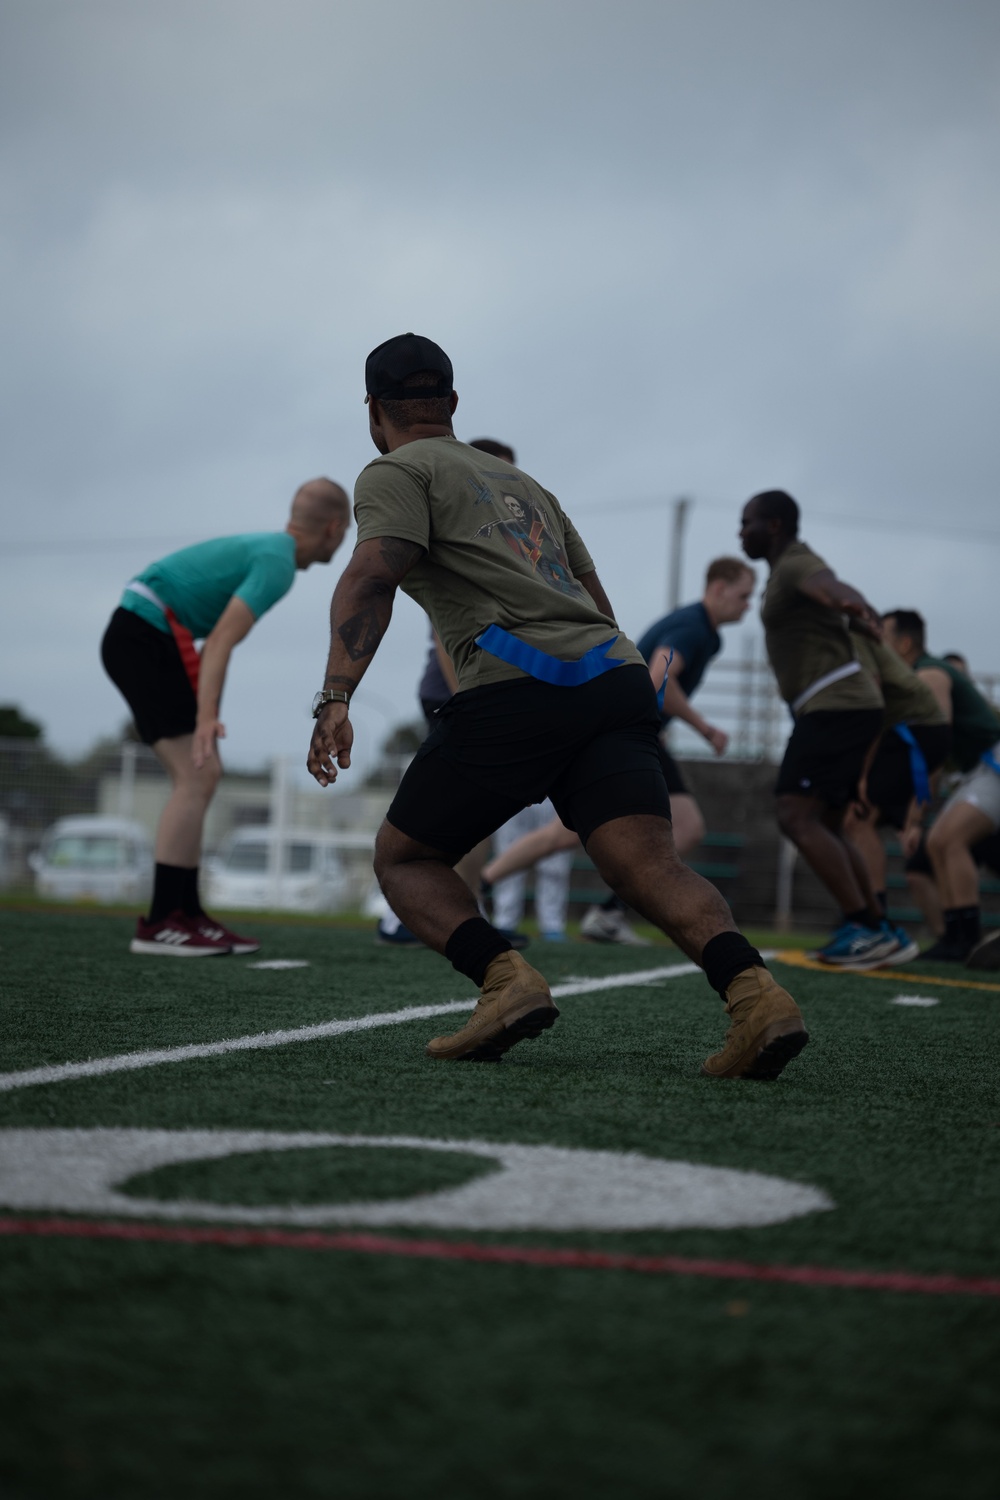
(318, 702)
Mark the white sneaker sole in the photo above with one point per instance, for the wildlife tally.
(179, 950)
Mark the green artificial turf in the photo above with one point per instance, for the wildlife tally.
(149, 1369)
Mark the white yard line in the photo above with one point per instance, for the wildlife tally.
(127, 1061)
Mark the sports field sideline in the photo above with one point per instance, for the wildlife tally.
(260, 1245)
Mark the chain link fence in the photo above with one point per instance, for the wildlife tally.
(275, 840)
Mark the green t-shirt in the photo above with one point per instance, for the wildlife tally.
(907, 699)
(975, 726)
(198, 582)
(499, 551)
(806, 640)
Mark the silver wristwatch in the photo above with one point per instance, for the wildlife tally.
(329, 695)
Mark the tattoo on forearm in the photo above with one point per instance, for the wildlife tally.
(399, 556)
(362, 633)
(350, 683)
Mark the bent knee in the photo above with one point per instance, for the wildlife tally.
(794, 815)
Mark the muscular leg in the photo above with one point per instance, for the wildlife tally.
(949, 846)
(859, 865)
(807, 822)
(638, 858)
(178, 836)
(421, 886)
(862, 834)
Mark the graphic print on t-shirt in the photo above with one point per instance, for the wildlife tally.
(530, 538)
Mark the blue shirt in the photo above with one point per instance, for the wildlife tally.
(692, 635)
(198, 582)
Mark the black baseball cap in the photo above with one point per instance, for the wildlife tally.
(388, 366)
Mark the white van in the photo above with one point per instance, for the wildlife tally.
(309, 877)
(94, 859)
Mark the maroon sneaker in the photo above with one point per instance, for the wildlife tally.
(210, 928)
(176, 936)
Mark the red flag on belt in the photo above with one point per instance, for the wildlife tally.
(186, 647)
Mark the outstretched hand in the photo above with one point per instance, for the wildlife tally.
(331, 744)
(717, 738)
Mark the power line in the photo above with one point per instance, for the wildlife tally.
(870, 522)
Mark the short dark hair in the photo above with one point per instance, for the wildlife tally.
(908, 622)
(776, 505)
(498, 450)
(434, 410)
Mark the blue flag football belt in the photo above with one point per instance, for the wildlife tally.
(545, 668)
(918, 765)
(989, 759)
(539, 664)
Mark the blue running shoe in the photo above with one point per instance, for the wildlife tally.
(905, 948)
(855, 947)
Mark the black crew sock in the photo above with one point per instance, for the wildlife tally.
(174, 889)
(473, 946)
(727, 955)
(882, 897)
(864, 918)
(191, 906)
(613, 903)
(962, 926)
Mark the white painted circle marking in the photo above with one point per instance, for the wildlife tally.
(536, 1187)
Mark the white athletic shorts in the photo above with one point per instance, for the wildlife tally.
(981, 787)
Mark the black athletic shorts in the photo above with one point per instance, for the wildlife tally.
(593, 749)
(985, 852)
(826, 754)
(672, 774)
(890, 779)
(145, 666)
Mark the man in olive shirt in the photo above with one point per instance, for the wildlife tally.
(972, 812)
(553, 700)
(837, 709)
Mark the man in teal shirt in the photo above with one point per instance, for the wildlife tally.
(213, 591)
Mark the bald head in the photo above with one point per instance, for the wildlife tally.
(321, 514)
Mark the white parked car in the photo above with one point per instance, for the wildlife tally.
(94, 859)
(309, 877)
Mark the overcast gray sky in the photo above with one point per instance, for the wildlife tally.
(695, 247)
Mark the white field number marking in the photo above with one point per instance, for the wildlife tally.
(916, 1000)
(126, 1061)
(535, 1187)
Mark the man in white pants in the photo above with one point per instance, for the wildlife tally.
(552, 876)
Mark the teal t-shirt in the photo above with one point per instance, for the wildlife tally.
(198, 582)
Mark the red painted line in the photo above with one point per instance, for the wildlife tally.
(584, 1260)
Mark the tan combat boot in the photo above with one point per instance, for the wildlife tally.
(767, 1030)
(514, 1003)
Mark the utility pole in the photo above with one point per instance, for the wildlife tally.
(675, 568)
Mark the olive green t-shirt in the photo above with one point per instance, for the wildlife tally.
(806, 640)
(974, 722)
(499, 550)
(908, 700)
